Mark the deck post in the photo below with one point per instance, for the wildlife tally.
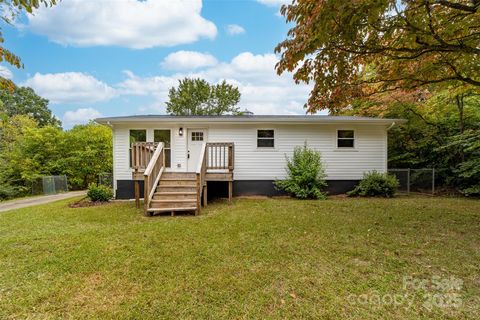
(230, 190)
(199, 191)
(205, 196)
(137, 194)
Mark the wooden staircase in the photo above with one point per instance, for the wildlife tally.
(176, 191)
(179, 191)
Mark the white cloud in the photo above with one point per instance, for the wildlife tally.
(80, 116)
(234, 29)
(185, 60)
(274, 2)
(127, 23)
(156, 86)
(263, 91)
(70, 87)
(5, 73)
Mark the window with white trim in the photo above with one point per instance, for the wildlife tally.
(345, 139)
(265, 138)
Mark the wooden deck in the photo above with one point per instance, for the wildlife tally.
(179, 191)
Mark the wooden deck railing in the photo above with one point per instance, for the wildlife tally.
(220, 156)
(141, 154)
(152, 174)
(201, 172)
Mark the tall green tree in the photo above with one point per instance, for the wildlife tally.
(198, 97)
(88, 153)
(23, 100)
(28, 152)
(355, 49)
(12, 133)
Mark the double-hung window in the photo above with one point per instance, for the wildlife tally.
(265, 138)
(345, 139)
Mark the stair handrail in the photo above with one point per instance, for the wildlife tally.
(200, 173)
(152, 174)
(141, 153)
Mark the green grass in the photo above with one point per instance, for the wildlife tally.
(272, 258)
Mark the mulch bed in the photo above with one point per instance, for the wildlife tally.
(87, 203)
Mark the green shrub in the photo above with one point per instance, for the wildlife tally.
(375, 184)
(305, 175)
(99, 193)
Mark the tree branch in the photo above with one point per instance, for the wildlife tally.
(459, 6)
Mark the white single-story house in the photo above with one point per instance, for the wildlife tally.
(247, 152)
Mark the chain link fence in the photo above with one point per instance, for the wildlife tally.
(105, 179)
(415, 180)
(47, 185)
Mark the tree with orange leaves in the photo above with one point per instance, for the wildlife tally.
(362, 48)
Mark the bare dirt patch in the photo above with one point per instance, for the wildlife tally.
(87, 203)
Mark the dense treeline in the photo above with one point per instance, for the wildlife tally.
(32, 144)
(442, 132)
(412, 59)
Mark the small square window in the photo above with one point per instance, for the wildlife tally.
(265, 139)
(345, 139)
(197, 136)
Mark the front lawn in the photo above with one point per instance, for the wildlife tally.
(272, 258)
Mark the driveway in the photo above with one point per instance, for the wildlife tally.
(33, 201)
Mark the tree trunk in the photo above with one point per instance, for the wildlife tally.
(459, 99)
(461, 122)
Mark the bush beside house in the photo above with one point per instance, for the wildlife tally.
(375, 184)
(99, 193)
(305, 175)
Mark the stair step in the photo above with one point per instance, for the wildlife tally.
(177, 179)
(175, 193)
(188, 175)
(158, 204)
(181, 188)
(173, 200)
(176, 182)
(172, 209)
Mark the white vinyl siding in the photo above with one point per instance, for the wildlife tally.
(121, 168)
(252, 163)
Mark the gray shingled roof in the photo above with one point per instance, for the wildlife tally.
(245, 118)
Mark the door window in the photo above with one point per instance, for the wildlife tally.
(197, 135)
(136, 136)
(163, 135)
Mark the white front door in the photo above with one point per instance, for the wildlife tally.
(196, 138)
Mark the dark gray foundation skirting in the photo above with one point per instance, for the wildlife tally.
(266, 187)
(125, 188)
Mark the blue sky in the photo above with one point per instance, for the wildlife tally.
(120, 57)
